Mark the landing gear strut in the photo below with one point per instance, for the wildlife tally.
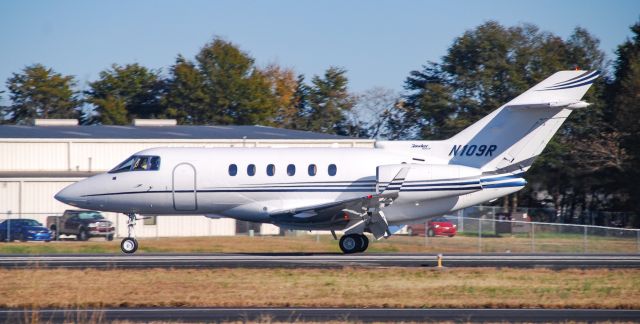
(353, 243)
(129, 244)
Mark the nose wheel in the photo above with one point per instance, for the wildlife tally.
(129, 244)
(354, 243)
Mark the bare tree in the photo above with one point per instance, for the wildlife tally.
(375, 109)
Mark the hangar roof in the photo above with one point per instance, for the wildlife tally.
(161, 132)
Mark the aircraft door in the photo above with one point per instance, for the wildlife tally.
(184, 187)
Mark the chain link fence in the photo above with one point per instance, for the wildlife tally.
(488, 229)
(520, 236)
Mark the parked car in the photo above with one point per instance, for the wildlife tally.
(84, 224)
(24, 230)
(439, 226)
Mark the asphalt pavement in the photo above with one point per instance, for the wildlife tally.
(321, 260)
(319, 314)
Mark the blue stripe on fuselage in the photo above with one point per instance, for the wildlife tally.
(487, 182)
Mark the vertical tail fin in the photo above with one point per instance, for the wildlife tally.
(511, 137)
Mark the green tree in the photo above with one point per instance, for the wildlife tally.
(39, 92)
(186, 98)
(491, 64)
(112, 111)
(328, 102)
(485, 68)
(624, 96)
(239, 93)
(430, 110)
(300, 102)
(625, 92)
(3, 111)
(133, 87)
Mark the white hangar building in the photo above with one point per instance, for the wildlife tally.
(37, 161)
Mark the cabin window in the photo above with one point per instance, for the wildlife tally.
(332, 170)
(271, 170)
(233, 170)
(312, 169)
(291, 170)
(251, 170)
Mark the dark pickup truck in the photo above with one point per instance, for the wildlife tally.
(84, 224)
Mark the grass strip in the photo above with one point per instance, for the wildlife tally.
(325, 243)
(349, 287)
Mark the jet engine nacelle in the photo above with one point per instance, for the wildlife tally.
(425, 182)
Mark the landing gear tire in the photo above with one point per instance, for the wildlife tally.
(350, 243)
(365, 243)
(353, 243)
(129, 245)
(431, 233)
(109, 237)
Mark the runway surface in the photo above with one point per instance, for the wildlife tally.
(276, 260)
(322, 314)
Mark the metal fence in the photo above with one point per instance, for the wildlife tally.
(495, 231)
(521, 236)
(486, 229)
(551, 215)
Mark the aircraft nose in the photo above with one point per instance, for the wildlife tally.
(71, 195)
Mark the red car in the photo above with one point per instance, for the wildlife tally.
(437, 226)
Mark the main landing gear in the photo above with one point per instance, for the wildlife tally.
(353, 243)
(129, 244)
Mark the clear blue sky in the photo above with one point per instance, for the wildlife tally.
(378, 42)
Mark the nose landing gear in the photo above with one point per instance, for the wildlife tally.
(129, 244)
(353, 243)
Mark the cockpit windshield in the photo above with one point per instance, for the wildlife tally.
(138, 163)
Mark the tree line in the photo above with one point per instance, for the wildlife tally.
(222, 85)
(591, 164)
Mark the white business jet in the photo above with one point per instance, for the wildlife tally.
(353, 190)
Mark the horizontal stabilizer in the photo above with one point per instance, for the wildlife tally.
(561, 87)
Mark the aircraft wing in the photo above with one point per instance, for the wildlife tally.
(333, 213)
(352, 215)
